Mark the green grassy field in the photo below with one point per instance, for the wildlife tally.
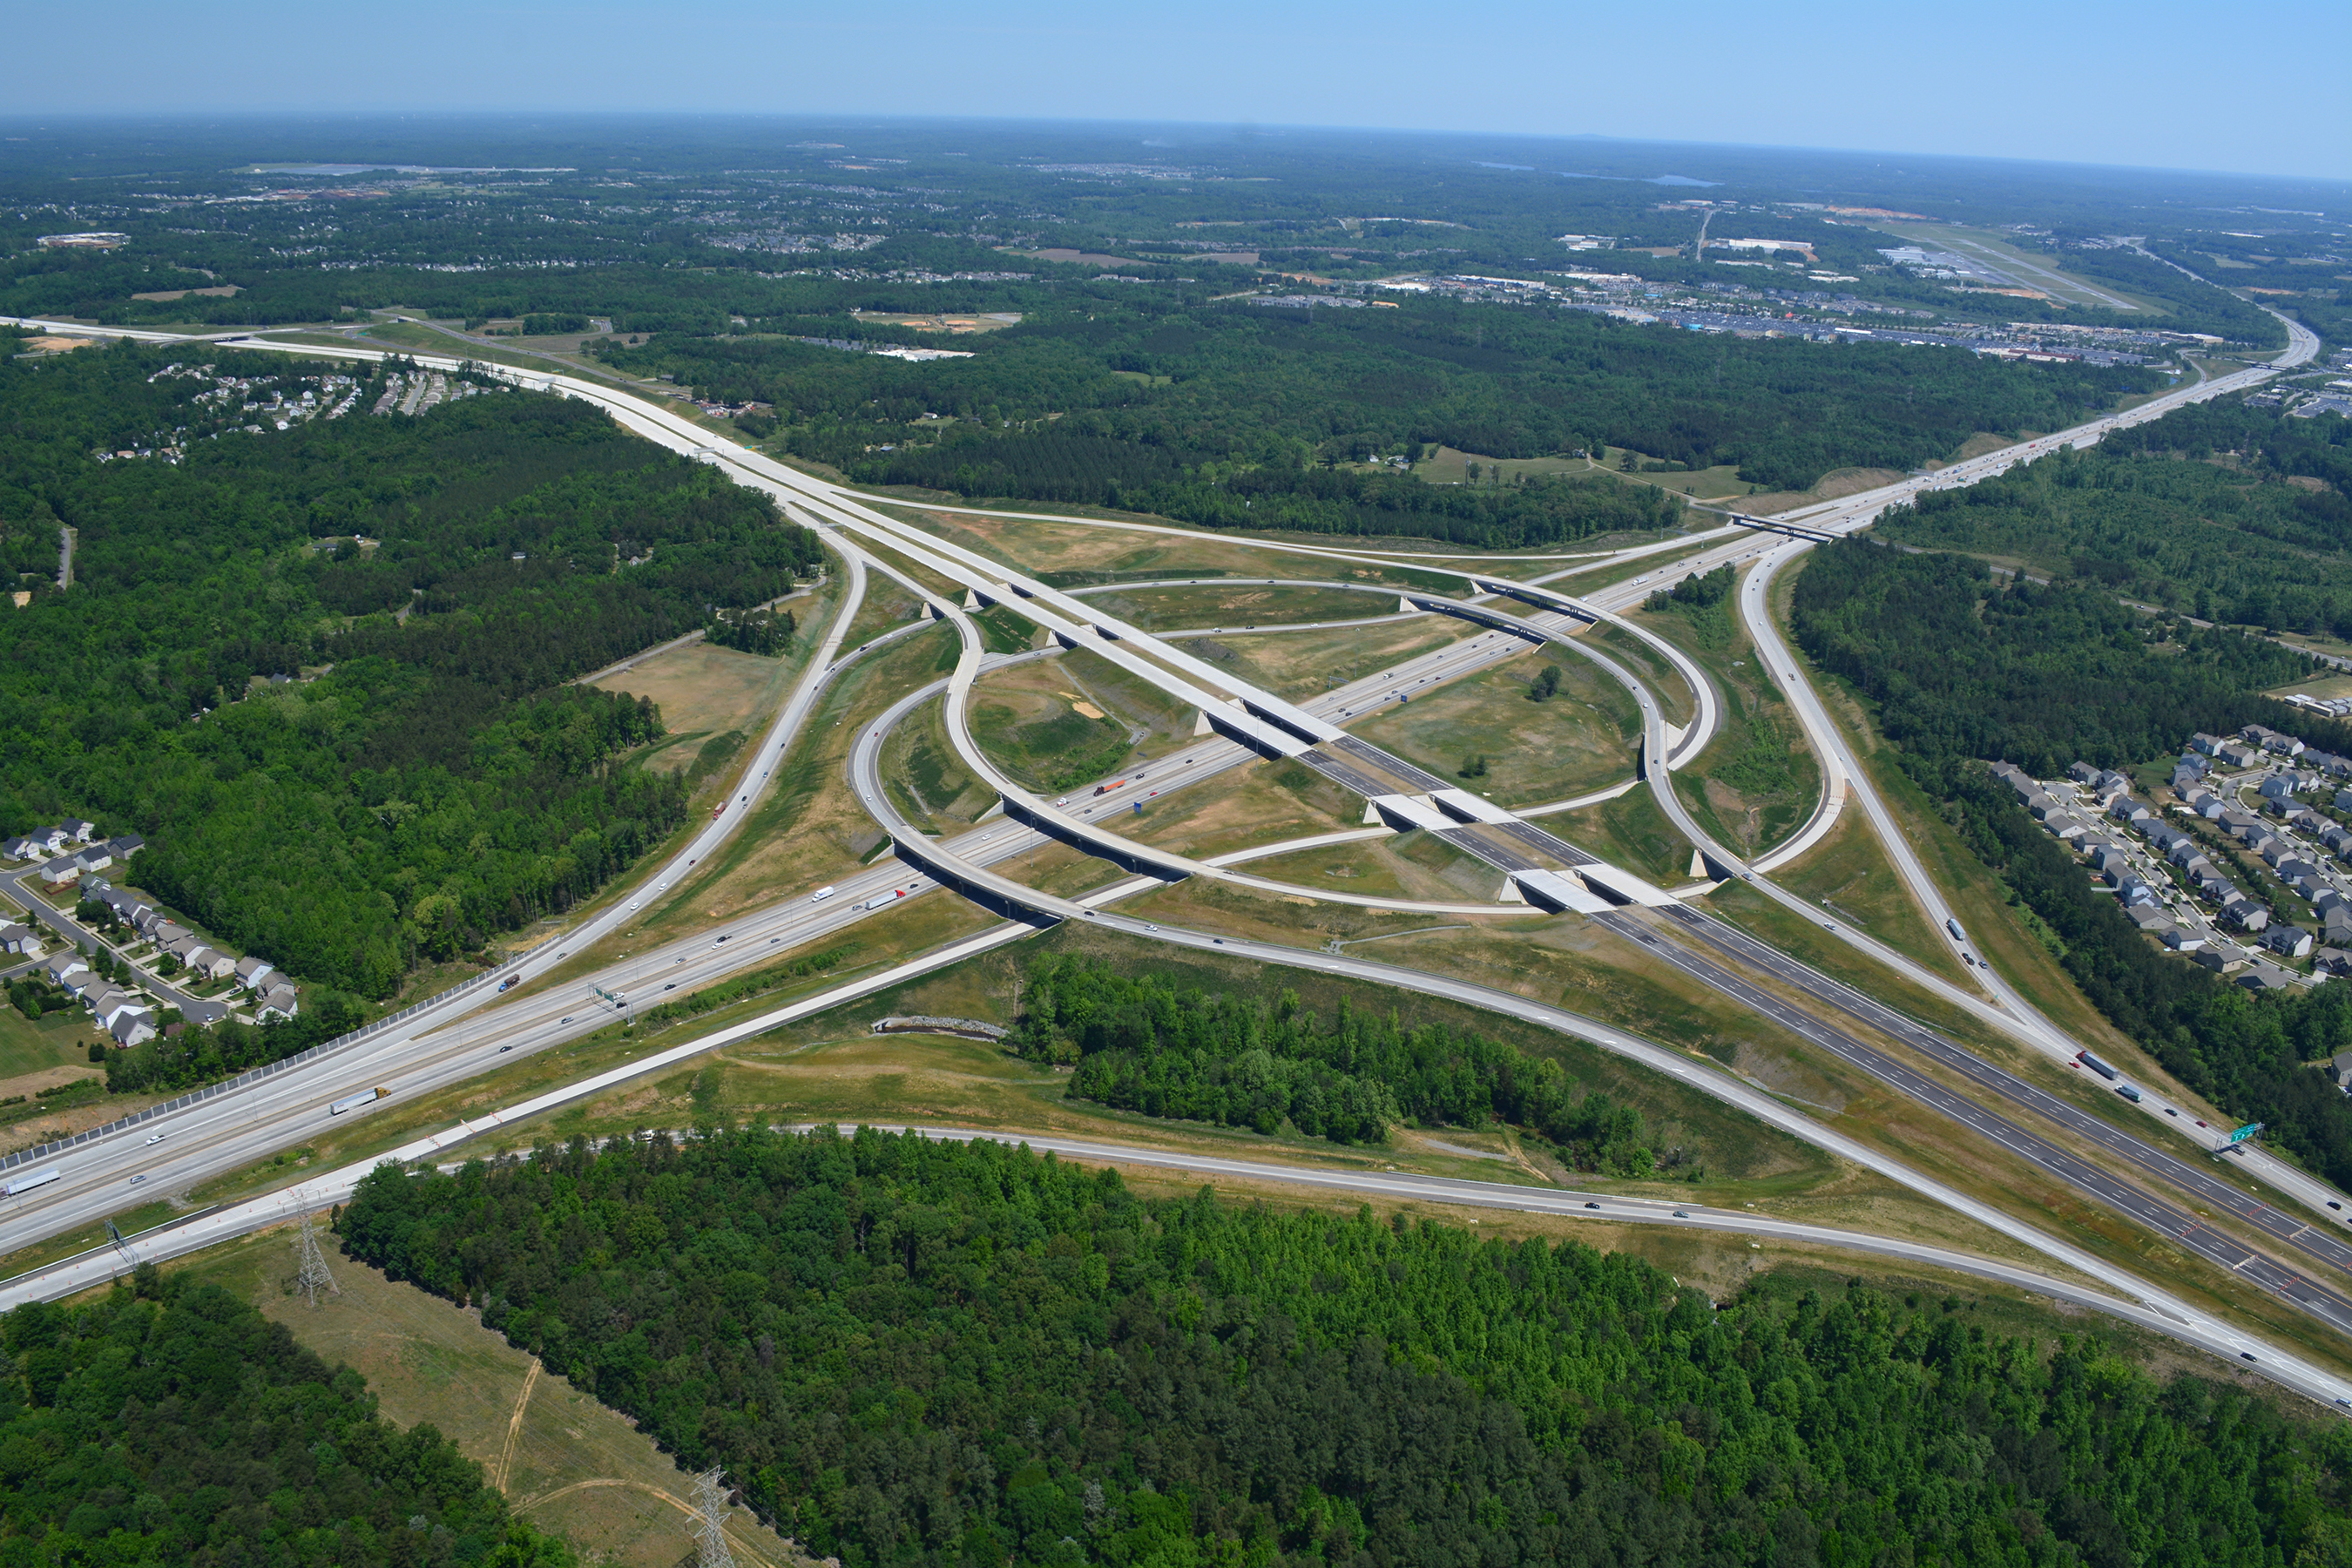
(1582, 739)
(58, 1039)
(1632, 832)
(1238, 605)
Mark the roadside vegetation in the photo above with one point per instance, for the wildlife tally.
(172, 1423)
(416, 778)
(968, 1351)
(1961, 670)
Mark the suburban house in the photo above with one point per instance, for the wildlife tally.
(2292, 941)
(127, 908)
(280, 1000)
(2082, 773)
(2184, 939)
(2265, 977)
(62, 872)
(61, 969)
(252, 972)
(110, 1004)
(2278, 786)
(131, 1027)
(127, 846)
(22, 940)
(2246, 914)
(78, 831)
(2238, 754)
(2271, 739)
(209, 963)
(2209, 744)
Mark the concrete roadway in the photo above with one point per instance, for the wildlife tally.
(271, 1112)
(2184, 1228)
(440, 1046)
(999, 892)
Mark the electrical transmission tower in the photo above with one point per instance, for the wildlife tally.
(710, 1533)
(310, 1275)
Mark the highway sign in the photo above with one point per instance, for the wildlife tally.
(2248, 1131)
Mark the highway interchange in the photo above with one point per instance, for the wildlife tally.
(440, 1046)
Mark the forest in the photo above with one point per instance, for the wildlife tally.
(167, 1422)
(320, 670)
(1962, 670)
(1141, 1042)
(2222, 511)
(1151, 403)
(921, 1353)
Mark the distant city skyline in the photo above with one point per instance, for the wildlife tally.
(2161, 85)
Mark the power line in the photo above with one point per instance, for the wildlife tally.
(710, 1530)
(310, 1274)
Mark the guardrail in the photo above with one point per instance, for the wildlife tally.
(255, 1075)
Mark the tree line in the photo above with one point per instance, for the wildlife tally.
(1961, 671)
(169, 1422)
(421, 778)
(1141, 1042)
(911, 1351)
(2223, 513)
(1210, 388)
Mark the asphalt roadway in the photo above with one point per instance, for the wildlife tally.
(581, 938)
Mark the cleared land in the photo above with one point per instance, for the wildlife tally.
(1238, 605)
(1408, 865)
(1262, 802)
(1832, 486)
(1582, 738)
(1307, 664)
(702, 691)
(1055, 723)
(564, 1461)
(1075, 554)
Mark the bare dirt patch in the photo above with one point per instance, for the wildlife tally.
(707, 690)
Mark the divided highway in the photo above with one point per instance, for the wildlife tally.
(235, 1130)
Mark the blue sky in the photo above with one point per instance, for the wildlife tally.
(2255, 87)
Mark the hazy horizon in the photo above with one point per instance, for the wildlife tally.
(2153, 88)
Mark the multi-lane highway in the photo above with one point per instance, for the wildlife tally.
(1263, 724)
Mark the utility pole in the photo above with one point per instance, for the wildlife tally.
(310, 1275)
(709, 1531)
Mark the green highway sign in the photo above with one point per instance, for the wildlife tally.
(2248, 1131)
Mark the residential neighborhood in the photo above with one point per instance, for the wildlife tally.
(2241, 862)
(125, 961)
